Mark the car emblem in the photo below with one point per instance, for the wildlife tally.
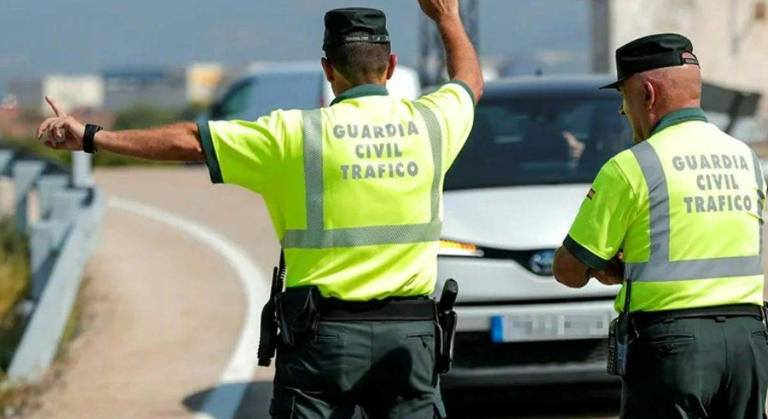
(541, 262)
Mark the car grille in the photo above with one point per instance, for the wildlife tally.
(475, 350)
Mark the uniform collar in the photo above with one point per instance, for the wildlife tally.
(360, 91)
(679, 116)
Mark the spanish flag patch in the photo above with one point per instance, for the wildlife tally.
(591, 193)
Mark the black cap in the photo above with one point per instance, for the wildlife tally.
(649, 52)
(339, 23)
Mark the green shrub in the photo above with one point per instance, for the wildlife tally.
(14, 282)
(143, 116)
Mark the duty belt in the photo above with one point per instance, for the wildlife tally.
(644, 318)
(391, 309)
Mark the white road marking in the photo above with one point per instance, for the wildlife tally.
(225, 398)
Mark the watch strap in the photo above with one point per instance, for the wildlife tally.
(88, 138)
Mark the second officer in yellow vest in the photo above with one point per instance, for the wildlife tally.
(678, 220)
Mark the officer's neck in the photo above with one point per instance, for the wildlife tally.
(665, 108)
(341, 85)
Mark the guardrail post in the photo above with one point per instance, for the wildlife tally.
(47, 187)
(46, 237)
(94, 226)
(81, 169)
(25, 173)
(42, 248)
(6, 156)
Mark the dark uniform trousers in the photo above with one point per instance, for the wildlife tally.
(710, 367)
(385, 367)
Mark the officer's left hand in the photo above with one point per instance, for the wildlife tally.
(613, 273)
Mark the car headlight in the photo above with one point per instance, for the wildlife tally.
(541, 262)
(454, 248)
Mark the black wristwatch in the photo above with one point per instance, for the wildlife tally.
(90, 132)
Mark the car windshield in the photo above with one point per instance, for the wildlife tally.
(539, 140)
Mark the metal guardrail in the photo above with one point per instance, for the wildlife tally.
(61, 240)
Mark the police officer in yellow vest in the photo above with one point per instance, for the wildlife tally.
(676, 219)
(354, 192)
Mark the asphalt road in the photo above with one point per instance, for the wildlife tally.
(176, 362)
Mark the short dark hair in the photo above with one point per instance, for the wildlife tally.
(358, 62)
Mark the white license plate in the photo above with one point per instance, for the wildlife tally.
(525, 327)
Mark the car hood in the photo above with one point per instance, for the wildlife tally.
(513, 218)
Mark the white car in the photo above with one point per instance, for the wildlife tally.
(536, 145)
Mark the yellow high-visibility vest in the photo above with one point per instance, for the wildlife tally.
(686, 207)
(354, 190)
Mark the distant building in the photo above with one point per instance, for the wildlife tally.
(126, 87)
(119, 88)
(203, 80)
(729, 39)
(74, 91)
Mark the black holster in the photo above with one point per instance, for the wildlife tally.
(268, 334)
(620, 336)
(446, 322)
(619, 339)
(269, 316)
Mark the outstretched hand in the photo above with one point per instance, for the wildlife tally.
(63, 132)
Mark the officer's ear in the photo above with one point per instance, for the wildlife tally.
(327, 69)
(391, 66)
(650, 94)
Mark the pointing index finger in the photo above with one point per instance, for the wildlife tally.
(55, 106)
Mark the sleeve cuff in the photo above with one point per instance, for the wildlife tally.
(583, 254)
(467, 88)
(211, 161)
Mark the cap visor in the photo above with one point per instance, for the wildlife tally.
(614, 85)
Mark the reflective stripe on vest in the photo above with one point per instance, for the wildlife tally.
(760, 180)
(659, 267)
(316, 236)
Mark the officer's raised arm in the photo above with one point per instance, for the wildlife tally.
(461, 57)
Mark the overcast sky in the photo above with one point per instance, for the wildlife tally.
(81, 36)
